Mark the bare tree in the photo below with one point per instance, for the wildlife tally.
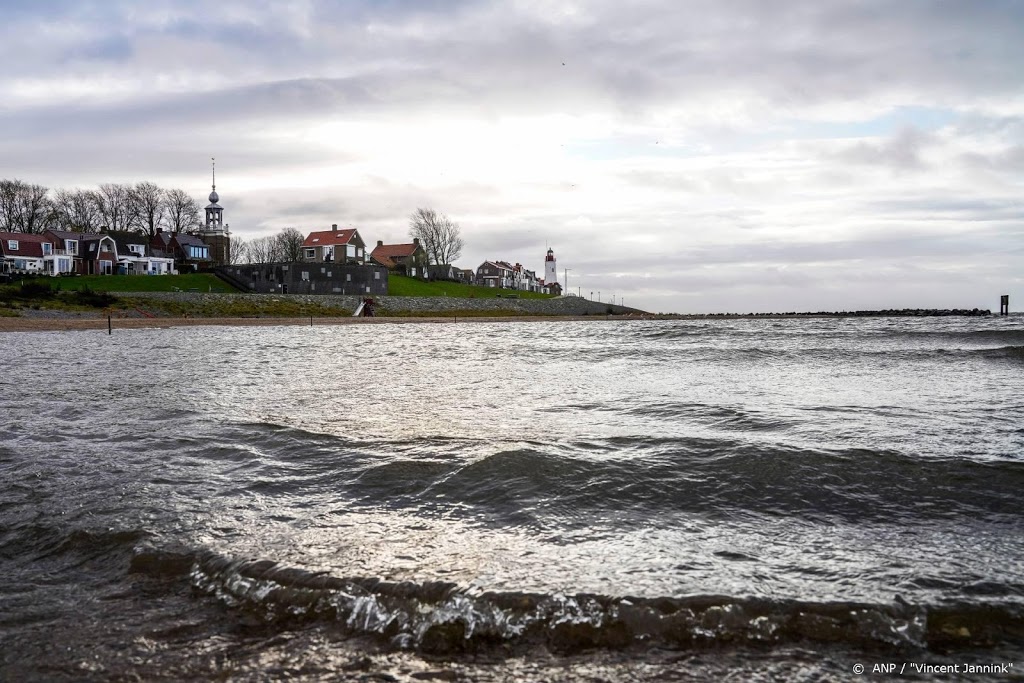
(151, 206)
(289, 243)
(440, 236)
(182, 212)
(239, 250)
(10, 191)
(76, 210)
(117, 206)
(24, 207)
(265, 250)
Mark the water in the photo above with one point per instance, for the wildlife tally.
(691, 500)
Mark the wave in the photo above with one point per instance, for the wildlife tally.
(702, 476)
(440, 617)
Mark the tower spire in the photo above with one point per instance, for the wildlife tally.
(213, 164)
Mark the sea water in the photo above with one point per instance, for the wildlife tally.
(595, 500)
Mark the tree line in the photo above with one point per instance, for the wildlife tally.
(142, 206)
(285, 246)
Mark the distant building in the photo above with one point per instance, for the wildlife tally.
(335, 246)
(309, 277)
(188, 251)
(216, 234)
(550, 269)
(407, 259)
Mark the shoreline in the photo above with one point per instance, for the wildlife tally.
(70, 323)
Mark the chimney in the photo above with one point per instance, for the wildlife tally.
(334, 227)
(159, 229)
(416, 241)
(380, 243)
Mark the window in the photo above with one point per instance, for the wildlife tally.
(47, 248)
(376, 275)
(305, 276)
(12, 245)
(310, 253)
(72, 246)
(137, 249)
(348, 277)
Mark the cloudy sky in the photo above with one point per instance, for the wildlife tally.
(681, 155)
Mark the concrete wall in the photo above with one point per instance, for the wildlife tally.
(308, 277)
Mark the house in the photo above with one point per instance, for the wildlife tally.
(442, 272)
(308, 277)
(97, 254)
(134, 255)
(465, 275)
(495, 274)
(68, 243)
(188, 251)
(86, 253)
(26, 253)
(408, 259)
(335, 246)
(525, 280)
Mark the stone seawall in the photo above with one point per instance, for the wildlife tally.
(402, 305)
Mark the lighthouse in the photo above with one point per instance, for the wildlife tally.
(550, 269)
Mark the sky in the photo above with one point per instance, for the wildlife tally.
(687, 156)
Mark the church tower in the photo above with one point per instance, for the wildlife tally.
(215, 233)
(550, 269)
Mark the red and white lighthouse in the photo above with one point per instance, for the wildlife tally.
(550, 269)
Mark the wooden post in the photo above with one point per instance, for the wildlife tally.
(1004, 304)
(110, 328)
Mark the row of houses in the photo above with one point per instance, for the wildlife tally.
(346, 246)
(59, 252)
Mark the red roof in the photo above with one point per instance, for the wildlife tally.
(329, 238)
(28, 244)
(385, 254)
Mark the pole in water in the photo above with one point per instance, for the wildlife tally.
(311, 321)
(110, 329)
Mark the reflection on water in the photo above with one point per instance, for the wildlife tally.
(835, 484)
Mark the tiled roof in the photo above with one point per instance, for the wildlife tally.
(326, 238)
(386, 254)
(383, 260)
(29, 245)
(191, 240)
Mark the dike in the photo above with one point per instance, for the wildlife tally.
(391, 305)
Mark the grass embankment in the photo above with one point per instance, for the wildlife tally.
(242, 307)
(191, 282)
(41, 294)
(48, 295)
(400, 285)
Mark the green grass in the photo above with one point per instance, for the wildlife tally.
(243, 307)
(400, 285)
(202, 282)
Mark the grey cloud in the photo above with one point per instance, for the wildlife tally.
(903, 151)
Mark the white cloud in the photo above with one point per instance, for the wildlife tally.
(696, 157)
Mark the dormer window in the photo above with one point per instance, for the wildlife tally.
(47, 248)
(72, 246)
(137, 249)
(12, 245)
